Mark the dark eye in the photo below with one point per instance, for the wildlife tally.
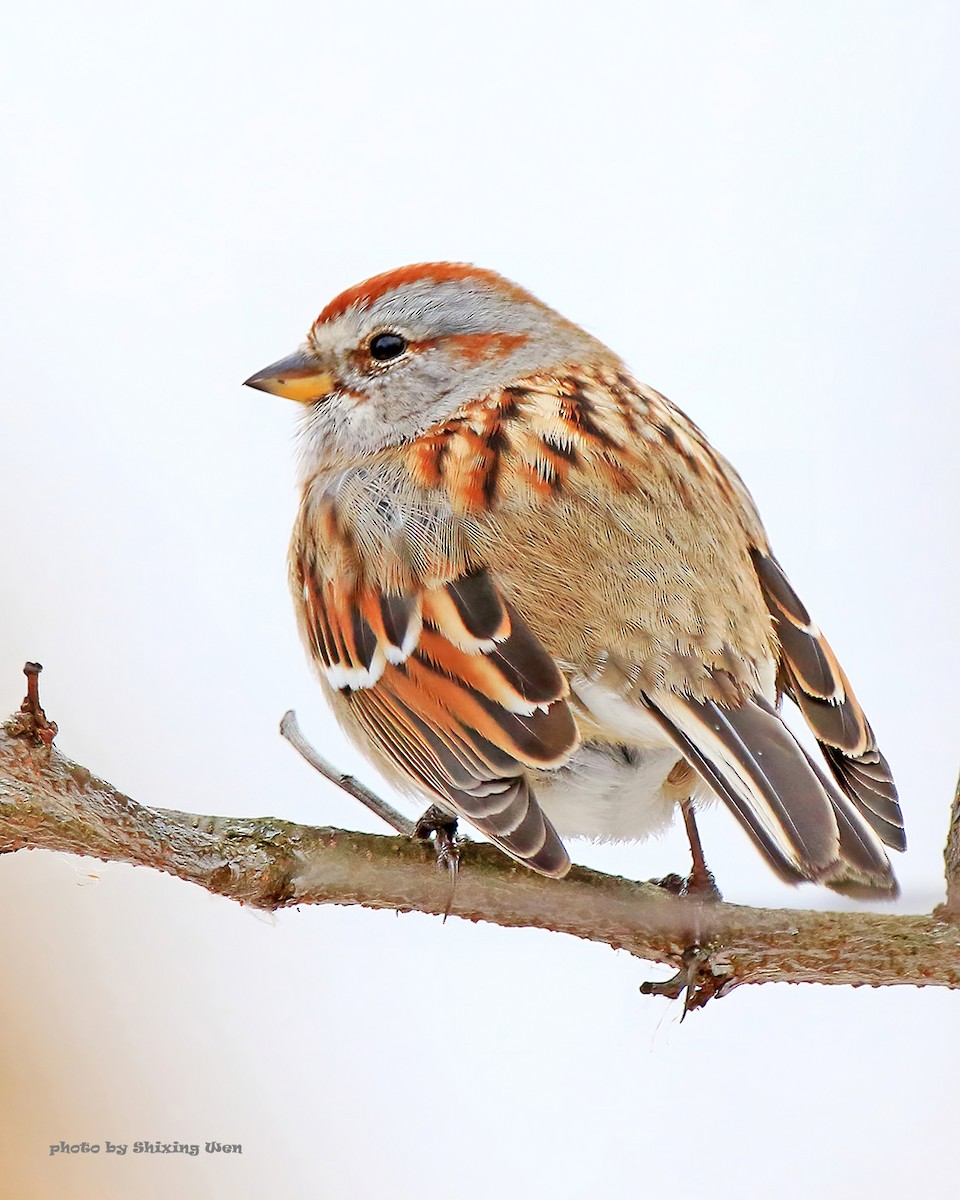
(387, 345)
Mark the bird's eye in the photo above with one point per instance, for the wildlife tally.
(387, 345)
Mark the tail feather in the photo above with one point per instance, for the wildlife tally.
(750, 758)
(814, 679)
(865, 870)
(802, 823)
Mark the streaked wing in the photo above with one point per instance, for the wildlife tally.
(451, 685)
(816, 681)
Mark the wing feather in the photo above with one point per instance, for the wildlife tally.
(813, 677)
(455, 690)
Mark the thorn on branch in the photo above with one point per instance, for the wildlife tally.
(31, 721)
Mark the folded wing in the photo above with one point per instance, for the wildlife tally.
(452, 686)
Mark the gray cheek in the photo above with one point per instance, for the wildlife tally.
(361, 428)
(412, 398)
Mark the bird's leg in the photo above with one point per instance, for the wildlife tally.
(441, 825)
(701, 883)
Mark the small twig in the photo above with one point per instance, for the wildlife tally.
(434, 822)
(32, 671)
(33, 722)
(291, 730)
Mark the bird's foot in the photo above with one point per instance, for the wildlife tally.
(699, 980)
(673, 883)
(701, 885)
(698, 885)
(441, 826)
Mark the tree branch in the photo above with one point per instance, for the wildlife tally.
(48, 802)
(950, 909)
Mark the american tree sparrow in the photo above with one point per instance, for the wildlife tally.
(537, 595)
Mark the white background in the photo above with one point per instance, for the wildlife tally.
(756, 205)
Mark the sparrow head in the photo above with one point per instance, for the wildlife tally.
(392, 356)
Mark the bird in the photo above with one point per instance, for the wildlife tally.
(537, 596)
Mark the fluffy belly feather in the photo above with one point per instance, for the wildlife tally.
(627, 778)
(610, 793)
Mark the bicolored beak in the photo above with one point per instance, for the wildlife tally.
(299, 377)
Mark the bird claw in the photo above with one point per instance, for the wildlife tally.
(698, 980)
(673, 883)
(440, 826)
(696, 886)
